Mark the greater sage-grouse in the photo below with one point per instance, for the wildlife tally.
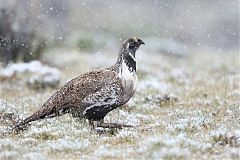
(92, 95)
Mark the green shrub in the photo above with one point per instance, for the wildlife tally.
(85, 44)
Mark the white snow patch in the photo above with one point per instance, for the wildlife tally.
(55, 127)
(111, 152)
(33, 66)
(9, 144)
(163, 146)
(188, 120)
(46, 74)
(68, 144)
(103, 151)
(8, 155)
(34, 156)
(219, 131)
(9, 109)
(174, 152)
(235, 92)
(9, 148)
(125, 118)
(231, 153)
(153, 83)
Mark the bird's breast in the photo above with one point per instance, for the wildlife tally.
(129, 81)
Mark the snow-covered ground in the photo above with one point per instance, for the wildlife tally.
(184, 108)
(34, 74)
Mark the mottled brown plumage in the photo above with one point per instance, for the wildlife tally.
(92, 95)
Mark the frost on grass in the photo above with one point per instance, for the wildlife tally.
(160, 86)
(34, 73)
(67, 145)
(9, 148)
(9, 115)
(188, 121)
(224, 138)
(181, 110)
(163, 147)
(7, 108)
(106, 151)
(123, 117)
(34, 156)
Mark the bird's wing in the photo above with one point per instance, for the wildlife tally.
(102, 101)
(75, 91)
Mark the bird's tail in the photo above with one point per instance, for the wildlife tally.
(43, 112)
(20, 125)
(40, 114)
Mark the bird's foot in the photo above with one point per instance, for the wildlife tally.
(102, 124)
(112, 125)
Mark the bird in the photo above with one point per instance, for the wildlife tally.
(94, 94)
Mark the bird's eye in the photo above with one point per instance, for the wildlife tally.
(130, 46)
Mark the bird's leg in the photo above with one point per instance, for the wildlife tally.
(93, 124)
(102, 124)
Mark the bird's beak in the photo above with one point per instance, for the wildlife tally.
(140, 42)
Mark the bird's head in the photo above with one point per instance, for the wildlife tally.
(132, 44)
(127, 52)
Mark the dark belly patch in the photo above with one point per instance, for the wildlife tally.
(97, 113)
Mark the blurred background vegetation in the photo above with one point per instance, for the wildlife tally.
(28, 27)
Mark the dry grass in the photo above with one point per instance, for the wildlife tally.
(184, 108)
